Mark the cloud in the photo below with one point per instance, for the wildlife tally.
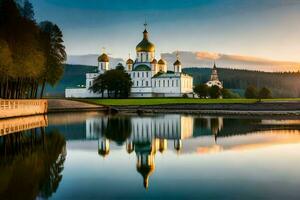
(206, 59)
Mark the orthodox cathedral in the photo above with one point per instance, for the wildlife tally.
(151, 78)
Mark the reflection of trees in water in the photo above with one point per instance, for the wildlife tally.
(225, 126)
(118, 129)
(31, 164)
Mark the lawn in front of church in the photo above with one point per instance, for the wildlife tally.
(161, 101)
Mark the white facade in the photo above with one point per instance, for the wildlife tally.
(149, 77)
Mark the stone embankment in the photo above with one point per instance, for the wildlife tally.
(263, 108)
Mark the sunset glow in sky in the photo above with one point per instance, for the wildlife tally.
(261, 28)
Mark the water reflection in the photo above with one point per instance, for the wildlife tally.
(31, 162)
(94, 139)
(147, 135)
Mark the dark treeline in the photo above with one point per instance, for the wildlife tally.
(281, 84)
(31, 54)
(116, 83)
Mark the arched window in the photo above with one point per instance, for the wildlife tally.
(138, 74)
(146, 83)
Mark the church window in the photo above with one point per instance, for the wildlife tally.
(146, 83)
(142, 74)
(137, 83)
(138, 74)
(146, 56)
(177, 83)
(163, 83)
(133, 74)
(159, 83)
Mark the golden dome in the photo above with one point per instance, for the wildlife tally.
(103, 58)
(145, 45)
(161, 62)
(177, 62)
(154, 61)
(129, 61)
(103, 153)
(146, 171)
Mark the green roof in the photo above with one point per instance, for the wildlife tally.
(169, 74)
(142, 68)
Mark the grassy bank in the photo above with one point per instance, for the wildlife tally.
(160, 101)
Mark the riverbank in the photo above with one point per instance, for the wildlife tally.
(167, 101)
(65, 105)
(203, 106)
(224, 109)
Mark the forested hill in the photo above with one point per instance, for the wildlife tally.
(281, 84)
(74, 76)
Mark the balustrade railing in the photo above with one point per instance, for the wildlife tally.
(15, 108)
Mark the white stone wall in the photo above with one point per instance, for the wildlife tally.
(186, 84)
(80, 93)
(141, 83)
(168, 86)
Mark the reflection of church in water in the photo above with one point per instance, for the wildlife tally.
(148, 135)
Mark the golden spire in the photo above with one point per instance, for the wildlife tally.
(145, 24)
(177, 55)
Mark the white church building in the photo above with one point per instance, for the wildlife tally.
(150, 78)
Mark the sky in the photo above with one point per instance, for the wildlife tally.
(260, 28)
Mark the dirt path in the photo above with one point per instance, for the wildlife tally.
(65, 105)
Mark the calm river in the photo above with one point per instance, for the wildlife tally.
(96, 156)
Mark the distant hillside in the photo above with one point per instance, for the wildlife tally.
(91, 59)
(202, 59)
(281, 84)
(74, 76)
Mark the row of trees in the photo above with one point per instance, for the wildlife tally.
(253, 93)
(116, 83)
(31, 54)
(282, 84)
(203, 91)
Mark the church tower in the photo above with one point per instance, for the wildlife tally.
(145, 50)
(129, 64)
(214, 73)
(103, 63)
(177, 64)
(154, 66)
(162, 65)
